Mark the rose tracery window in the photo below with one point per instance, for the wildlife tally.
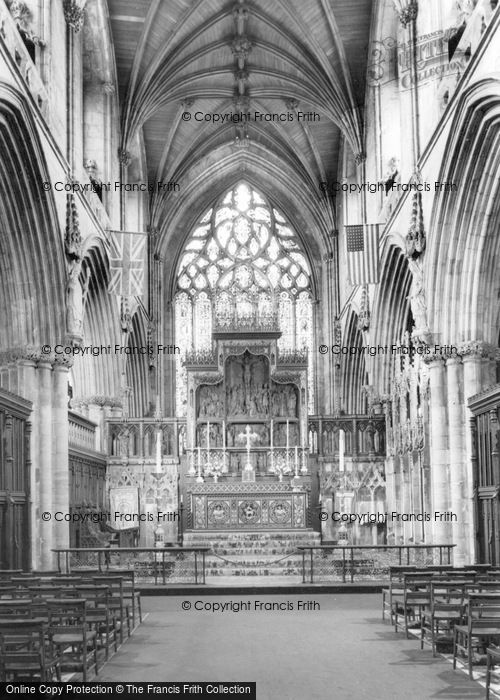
(243, 249)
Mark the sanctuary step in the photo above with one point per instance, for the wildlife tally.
(253, 554)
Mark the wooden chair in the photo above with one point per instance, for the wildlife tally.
(70, 633)
(447, 608)
(395, 587)
(129, 591)
(492, 660)
(6, 574)
(482, 628)
(409, 605)
(117, 601)
(25, 653)
(16, 608)
(25, 581)
(99, 614)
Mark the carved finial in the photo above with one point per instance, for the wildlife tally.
(125, 315)
(415, 238)
(337, 331)
(73, 237)
(364, 312)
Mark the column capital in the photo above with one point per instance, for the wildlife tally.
(63, 362)
(74, 14)
(26, 354)
(407, 11)
(434, 359)
(477, 350)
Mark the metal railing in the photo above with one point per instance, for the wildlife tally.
(158, 565)
(324, 563)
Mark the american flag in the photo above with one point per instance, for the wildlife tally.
(126, 263)
(362, 253)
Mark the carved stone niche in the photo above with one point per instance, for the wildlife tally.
(247, 386)
(210, 401)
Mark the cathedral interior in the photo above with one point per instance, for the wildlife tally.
(249, 278)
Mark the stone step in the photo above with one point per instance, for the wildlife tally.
(253, 554)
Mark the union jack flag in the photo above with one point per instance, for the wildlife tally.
(362, 253)
(126, 263)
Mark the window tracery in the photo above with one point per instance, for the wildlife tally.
(245, 250)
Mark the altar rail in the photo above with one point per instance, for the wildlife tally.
(325, 563)
(158, 565)
(364, 436)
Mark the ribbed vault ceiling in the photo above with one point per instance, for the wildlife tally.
(175, 56)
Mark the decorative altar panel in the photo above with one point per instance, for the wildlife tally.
(248, 506)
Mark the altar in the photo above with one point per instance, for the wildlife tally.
(248, 506)
(247, 452)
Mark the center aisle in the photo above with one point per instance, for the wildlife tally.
(341, 650)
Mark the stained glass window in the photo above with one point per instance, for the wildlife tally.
(242, 249)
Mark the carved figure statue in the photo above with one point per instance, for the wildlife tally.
(247, 375)
(276, 403)
(74, 300)
(417, 296)
(265, 400)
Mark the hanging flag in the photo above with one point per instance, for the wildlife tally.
(124, 508)
(362, 253)
(126, 263)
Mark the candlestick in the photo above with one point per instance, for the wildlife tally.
(304, 467)
(208, 443)
(199, 478)
(158, 450)
(287, 446)
(296, 460)
(341, 450)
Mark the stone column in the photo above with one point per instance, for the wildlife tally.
(28, 386)
(406, 505)
(439, 453)
(390, 495)
(44, 527)
(458, 472)
(408, 13)
(472, 354)
(60, 464)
